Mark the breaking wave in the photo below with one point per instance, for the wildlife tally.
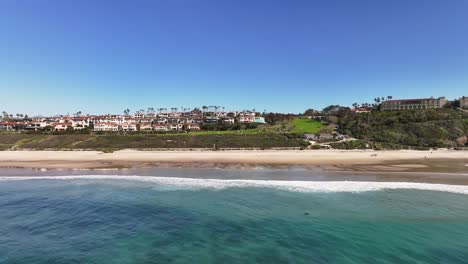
(295, 186)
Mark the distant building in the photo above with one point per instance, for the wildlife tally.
(407, 104)
(360, 110)
(61, 126)
(247, 117)
(106, 126)
(463, 102)
(160, 127)
(260, 120)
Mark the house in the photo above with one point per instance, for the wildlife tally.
(162, 121)
(79, 123)
(160, 127)
(228, 120)
(175, 127)
(146, 127)
(408, 104)
(106, 126)
(193, 127)
(260, 120)
(128, 126)
(247, 117)
(61, 126)
(34, 126)
(211, 119)
(7, 126)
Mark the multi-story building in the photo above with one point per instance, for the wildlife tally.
(407, 104)
(463, 102)
(106, 127)
(247, 117)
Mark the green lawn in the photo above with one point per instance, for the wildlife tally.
(306, 126)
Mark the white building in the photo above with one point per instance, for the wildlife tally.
(247, 117)
(106, 126)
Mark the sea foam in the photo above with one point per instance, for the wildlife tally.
(296, 186)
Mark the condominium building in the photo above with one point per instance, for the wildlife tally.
(406, 104)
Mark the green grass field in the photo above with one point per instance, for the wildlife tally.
(306, 126)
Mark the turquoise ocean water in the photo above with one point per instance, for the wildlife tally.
(95, 220)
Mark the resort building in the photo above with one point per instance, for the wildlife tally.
(463, 102)
(407, 104)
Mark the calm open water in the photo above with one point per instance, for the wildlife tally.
(125, 220)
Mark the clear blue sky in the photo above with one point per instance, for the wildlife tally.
(59, 56)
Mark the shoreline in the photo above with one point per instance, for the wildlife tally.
(436, 167)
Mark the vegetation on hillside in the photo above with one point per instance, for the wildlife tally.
(142, 141)
(409, 128)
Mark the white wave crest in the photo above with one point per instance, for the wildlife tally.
(297, 186)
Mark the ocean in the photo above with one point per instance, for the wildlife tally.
(117, 218)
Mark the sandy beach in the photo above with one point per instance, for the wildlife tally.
(400, 160)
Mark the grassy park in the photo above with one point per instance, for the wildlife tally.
(304, 125)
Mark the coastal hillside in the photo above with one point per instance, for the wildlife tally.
(144, 141)
(409, 128)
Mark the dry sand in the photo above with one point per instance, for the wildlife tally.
(400, 160)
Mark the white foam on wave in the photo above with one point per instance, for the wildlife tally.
(297, 186)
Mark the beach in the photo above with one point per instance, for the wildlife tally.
(410, 159)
